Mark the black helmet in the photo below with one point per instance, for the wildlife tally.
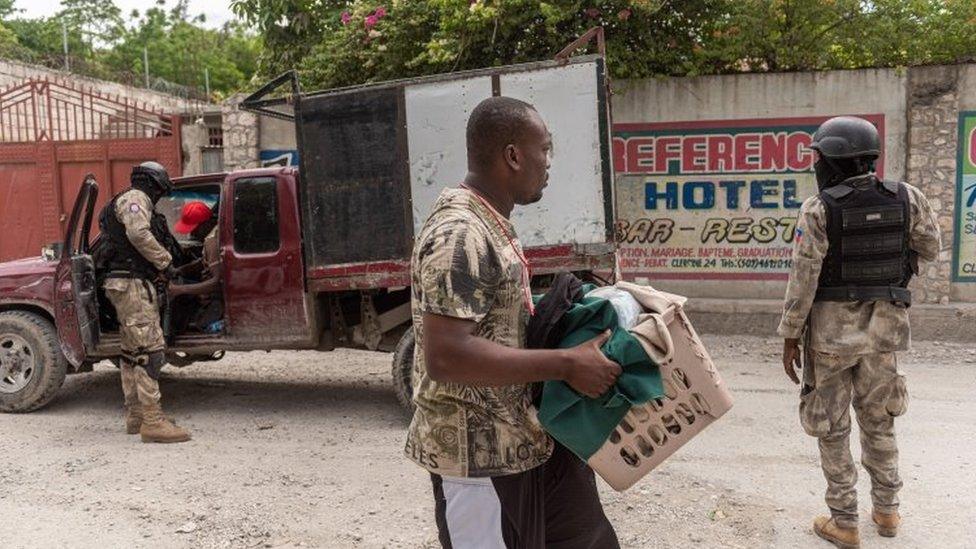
(152, 177)
(847, 137)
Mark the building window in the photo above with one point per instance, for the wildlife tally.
(213, 151)
(213, 160)
(215, 136)
(256, 215)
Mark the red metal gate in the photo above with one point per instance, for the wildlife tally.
(51, 135)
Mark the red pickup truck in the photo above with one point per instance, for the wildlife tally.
(322, 260)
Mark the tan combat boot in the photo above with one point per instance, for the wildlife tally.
(133, 418)
(844, 538)
(156, 428)
(887, 523)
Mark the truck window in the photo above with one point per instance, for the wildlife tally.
(255, 215)
(171, 206)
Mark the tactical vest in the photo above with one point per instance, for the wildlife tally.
(868, 258)
(116, 257)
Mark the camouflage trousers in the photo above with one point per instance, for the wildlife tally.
(137, 308)
(137, 386)
(138, 312)
(831, 383)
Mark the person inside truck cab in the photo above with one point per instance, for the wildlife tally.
(199, 223)
(135, 252)
(195, 218)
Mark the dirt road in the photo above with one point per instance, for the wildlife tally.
(303, 450)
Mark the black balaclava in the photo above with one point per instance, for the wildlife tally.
(148, 186)
(830, 172)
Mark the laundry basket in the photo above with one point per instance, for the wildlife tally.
(694, 398)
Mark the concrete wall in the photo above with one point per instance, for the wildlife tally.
(241, 136)
(778, 95)
(920, 110)
(252, 141)
(13, 72)
(276, 134)
(936, 96)
(194, 139)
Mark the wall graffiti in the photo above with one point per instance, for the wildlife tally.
(713, 200)
(964, 252)
(277, 157)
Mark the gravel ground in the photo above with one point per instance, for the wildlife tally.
(302, 449)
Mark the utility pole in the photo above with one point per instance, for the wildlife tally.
(64, 39)
(206, 81)
(145, 63)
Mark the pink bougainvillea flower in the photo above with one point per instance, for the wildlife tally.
(624, 14)
(592, 13)
(380, 12)
(370, 21)
(346, 18)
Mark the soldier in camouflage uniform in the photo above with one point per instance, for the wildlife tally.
(857, 245)
(498, 479)
(137, 251)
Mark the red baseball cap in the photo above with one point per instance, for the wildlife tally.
(193, 214)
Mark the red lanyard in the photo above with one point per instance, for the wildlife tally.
(526, 272)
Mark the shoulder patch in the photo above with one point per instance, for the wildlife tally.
(134, 208)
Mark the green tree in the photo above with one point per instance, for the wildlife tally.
(644, 37)
(289, 29)
(99, 20)
(7, 9)
(379, 40)
(41, 41)
(785, 35)
(181, 50)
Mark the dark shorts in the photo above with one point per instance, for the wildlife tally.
(554, 506)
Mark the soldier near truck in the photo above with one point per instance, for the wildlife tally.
(138, 251)
(317, 258)
(857, 245)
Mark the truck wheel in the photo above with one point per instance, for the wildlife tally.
(32, 367)
(403, 370)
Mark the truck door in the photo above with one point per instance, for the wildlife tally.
(75, 292)
(264, 287)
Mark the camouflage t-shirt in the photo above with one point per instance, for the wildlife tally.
(464, 266)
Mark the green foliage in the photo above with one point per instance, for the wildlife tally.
(786, 35)
(422, 37)
(288, 28)
(102, 44)
(180, 50)
(99, 20)
(344, 42)
(644, 37)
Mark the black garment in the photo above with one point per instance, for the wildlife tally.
(117, 257)
(553, 506)
(868, 258)
(543, 331)
(203, 229)
(830, 172)
(151, 178)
